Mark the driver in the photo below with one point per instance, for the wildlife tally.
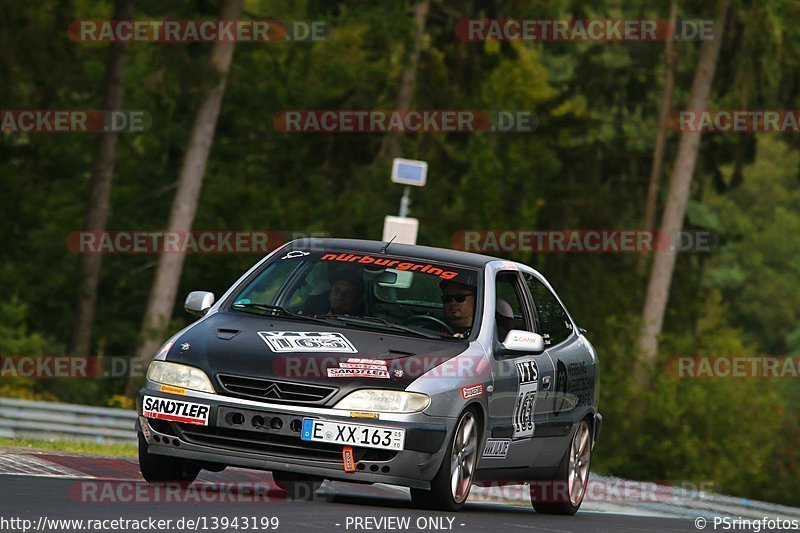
(346, 293)
(458, 300)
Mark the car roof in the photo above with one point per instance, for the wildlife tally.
(443, 255)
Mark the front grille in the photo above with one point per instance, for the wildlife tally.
(284, 446)
(276, 391)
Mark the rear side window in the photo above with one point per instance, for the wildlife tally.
(554, 324)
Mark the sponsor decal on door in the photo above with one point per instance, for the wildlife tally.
(496, 448)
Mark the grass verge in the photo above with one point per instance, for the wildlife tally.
(73, 446)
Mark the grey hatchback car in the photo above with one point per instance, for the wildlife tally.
(372, 362)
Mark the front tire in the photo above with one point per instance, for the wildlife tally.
(452, 483)
(573, 476)
(165, 469)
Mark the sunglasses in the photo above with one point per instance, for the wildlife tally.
(460, 298)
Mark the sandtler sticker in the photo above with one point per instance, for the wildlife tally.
(175, 410)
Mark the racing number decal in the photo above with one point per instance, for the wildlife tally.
(528, 383)
(523, 423)
(307, 341)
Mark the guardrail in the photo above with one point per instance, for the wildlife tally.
(50, 420)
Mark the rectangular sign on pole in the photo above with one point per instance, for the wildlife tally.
(409, 172)
(403, 230)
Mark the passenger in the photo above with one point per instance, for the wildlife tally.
(347, 291)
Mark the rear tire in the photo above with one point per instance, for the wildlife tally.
(297, 486)
(452, 483)
(572, 479)
(165, 469)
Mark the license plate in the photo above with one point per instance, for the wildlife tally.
(353, 434)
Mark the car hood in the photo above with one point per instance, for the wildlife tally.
(238, 350)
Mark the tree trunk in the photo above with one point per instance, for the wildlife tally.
(170, 265)
(390, 146)
(101, 177)
(661, 136)
(675, 208)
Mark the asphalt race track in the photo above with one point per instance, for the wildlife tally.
(47, 486)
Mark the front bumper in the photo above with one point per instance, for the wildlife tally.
(266, 436)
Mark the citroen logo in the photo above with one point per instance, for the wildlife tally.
(272, 391)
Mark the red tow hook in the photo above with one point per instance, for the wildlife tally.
(347, 458)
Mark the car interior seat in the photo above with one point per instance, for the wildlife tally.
(504, 318)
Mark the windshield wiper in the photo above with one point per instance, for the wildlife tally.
(377, 321)
(277, 310)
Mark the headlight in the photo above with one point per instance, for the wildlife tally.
(186, 377)
(387, 401)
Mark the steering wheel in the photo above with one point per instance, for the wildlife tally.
(430, 318)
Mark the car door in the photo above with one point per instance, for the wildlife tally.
(518, 378)
(575, 367)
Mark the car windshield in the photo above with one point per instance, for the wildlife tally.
(407, 296)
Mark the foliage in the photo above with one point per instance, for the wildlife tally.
(585, 166)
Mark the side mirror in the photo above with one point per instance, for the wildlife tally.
(198, 302)
(518, 341)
